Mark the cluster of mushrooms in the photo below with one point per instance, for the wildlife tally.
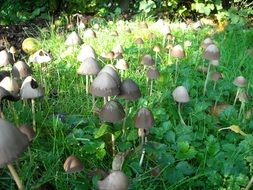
(108, 83)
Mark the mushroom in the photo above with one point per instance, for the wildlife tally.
(5, 58)
(114, 33)
(211, 53)
(13, 51)
(112, 112)
(129, 90)
(152, 74)
(72, 165)
(73, 39)
(215, 76)
(10, 85)
(104, 86)
(30, 90)
(111, 71)
(139, 42)
(109, 55)
(86, 52)
(243, 98)
(240, 82)
(144, 120)
(118, 49)
(116, 180)
(89, 67)
(147, 60)
(156, 49)
(122, 66)
(143, 25)
(180, 95)
(89, 33)
(177, 52)
(206, 42)
(21, 70)
(12, 144)
(28, 131)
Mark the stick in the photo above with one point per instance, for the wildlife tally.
(15, 177)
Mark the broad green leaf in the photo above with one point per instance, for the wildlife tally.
(101, 131)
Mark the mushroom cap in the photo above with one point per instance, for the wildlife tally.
(143, 25)
(215, 76)
(10, 85)
(214, 62)
(13, 50)
(116, 180)
(104, 85)
(153, 73)
(240, 81)
(157, 48)
(86, 51)
(108, 55)
(6, 95)
(4, 74)
(30, 89)
(114, 33)
(89, 33)
(40, 56)
(111, 71)
(118, 56)
(139, 41)
(165, 29)
(180, 94)
(5, 58)
(89, 67)
(151, 36)
(121, 64)
(72, 165)
(28, 131)
(112, 112)
(129, 90)
(206, 42)
(12, 142)
(73, 39)
(243, 97)
(118, 49)
(177, 51)
(212, 52)
(147, 60)
(21, 70)
(144, 119)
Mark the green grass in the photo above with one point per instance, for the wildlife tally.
(195, 156)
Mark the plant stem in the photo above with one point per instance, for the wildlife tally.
(176, 72)
(214, 85)
(179, 113)
(249, 184)
(113, 145)
(33, 114)
(15, 177)
(207, 76)
(155, 58)
(151, 87)
(124, 121)
(241, 109)
(236, 96)
(87, 84)
(143, 141)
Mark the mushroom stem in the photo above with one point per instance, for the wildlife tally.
(13, 56)
(176, 72)
(169, 58)
(1, 110)
(151, 88)
(207, 76)
(179, 113)
(15, 177)
(236, 96)
(113, 145)
(156, 57)
(144, 141)
(87, 84)
(124, 121)
(241, 110)
(33, 113)
(214, 85)
(249, 184)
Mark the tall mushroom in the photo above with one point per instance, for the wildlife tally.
(122, 66)
(152, 74)
(180, 95)
(30, 89)
(177, 52)
(116, 180)
(12, 144)
(112, 112)
(144, 120)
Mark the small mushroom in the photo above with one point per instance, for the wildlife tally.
(12, 144)
(116, 180)
(143, 25)
(144, 120)
(89, 33)
(122, 66)
(5, 58)
(177, 52)
(118, 49)
(10, 85)
(72, 165)
(156, 49)
(152, 74)
(13, 51)
(86, 52)
(240, 82)
(30, 90)
(243, 98)
(73, 39)
(215, 76)
(147, 60)
(180, 95)
(28, 131)
(206, 42)
(21, 70)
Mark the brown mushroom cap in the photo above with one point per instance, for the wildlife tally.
(5, 58)
(206, 42)
(212, 52)
(144, 119)
(181, 95)
(240, 81)
(177, 51)
(104, 85)
(73, 39)
(86, 52)
(72, 165)
(215, 76)
(121, 64)
(30, 89)
(147, 60)
(157, 48)
(89, 67)
(28, 131)
(243, 97)
(112, 112)
(10, 85)
(21, 70)
(12, 50)
(6, 95)
(114, 33)
(12, 143)
(116, 180)
(139, 41)
(118, 49)
(143, 25)
(129, 90)
(111, 71)
(40, 56)
(108, 55)
(153, 73)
